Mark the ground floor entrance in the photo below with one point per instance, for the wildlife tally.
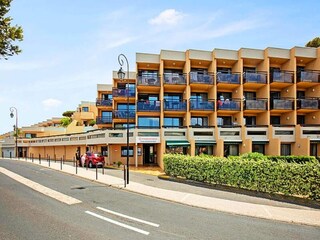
(149, 154)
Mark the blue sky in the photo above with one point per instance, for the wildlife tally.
(71, 46)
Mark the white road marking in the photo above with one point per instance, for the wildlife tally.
(118, 223)
(40, 188)
(128, 217)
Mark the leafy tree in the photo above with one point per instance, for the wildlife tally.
(68, 114)
(8, 33)
(65, 121)
(314, 43)
(92, 122)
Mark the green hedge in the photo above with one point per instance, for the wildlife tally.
(259, 175)
(289, 159)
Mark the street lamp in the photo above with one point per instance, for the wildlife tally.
(121, 75)
(12, 109)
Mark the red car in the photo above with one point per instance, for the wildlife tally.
(94, 159)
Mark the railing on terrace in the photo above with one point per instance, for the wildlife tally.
(104, 120)
(281, 104)
(147, 106)
(172, 126)
(229, 104)
(308, 76)
(201, 105)
(119, 92)
(173, 105)
(122, 114)
(231, 78)
(308, 103)
(148, 79)
(256, 104)
(103, 102)
(255, 77)
(202, 78)
(281, 76)
(174, 78)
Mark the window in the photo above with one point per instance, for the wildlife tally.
(204, 149)
(199, 121)
(224, 70)
(285, 149)
(104, 151)
(30, 135)
(275, 120)
(123, 126)
(301, 94)
(275, 95)
(199, 97)
(300, 119)
(313, 150)
(259, 148)
(123, 106)
(177, 150)
(250, 95)
(124, 151)
(225, 95)
(172, 97)
(148, 97)
(250, 121)
(249, 69)
(107, 96)
(85, 109)
(153, 122)
(231, 150)
(224, 121)
(172, 122)
(115, 134)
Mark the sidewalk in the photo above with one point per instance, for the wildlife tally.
(207, 198)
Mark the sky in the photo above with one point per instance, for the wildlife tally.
(70, 46)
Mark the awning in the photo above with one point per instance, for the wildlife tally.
(314, 140)
(232, 142)
(205, 142)
(260, 142)
(173, 143)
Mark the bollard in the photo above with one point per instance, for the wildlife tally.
(76, 168)
(96, 171)
(55, 158)
(74, 162)
(39, 158)
(61, 163)
(49, 160)
(32, 157)
(125, 175)
(102, 170)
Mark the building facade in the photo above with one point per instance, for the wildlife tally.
(220, 102)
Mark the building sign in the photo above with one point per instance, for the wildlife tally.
(148, 139)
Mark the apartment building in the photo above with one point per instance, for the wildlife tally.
(220, 102)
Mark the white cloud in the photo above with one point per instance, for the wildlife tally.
(167, 17)
(51, 103)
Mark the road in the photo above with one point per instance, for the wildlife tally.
(28, 214)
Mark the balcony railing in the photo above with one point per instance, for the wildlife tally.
(122, 114)
(308, 76)
(103, 102)
(104, 119)
(257, 104)
(175, 78)
(201, 105)
(281, 76)
(231, 78)
(202, 78)
(229, 104)
(119, 92)
(308, 104)
(255, 77)
(147, 106)
(281, 104)
(150, 79)
(173, 105)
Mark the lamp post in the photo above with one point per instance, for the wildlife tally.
(121, 75)
(13, 109)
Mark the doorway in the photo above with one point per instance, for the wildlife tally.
(149, 155)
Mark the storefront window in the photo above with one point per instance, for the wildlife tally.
(177, 150)
(204, 149)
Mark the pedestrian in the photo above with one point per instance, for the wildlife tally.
(83, 159)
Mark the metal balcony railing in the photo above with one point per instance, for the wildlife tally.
(229, 104)
(202, 78)
(174, 78)
(308, 103)
(175, 105)
(104, 102)
(255, 77)
(281, 104)
(119, 92)
(308, 76)
(103, 120)
(281, 76)
(231, 78)
(201, 105)
(148, 79)
(257, 104)
(122, 114)
(147, 106)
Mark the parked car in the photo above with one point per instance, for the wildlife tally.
(94, 159)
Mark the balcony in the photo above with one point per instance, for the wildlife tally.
(201, 105)
(281, 77)
(104, 102)
(281, 104)
(104, 120)
(147, 106)
(311, 104)
(122, 114)
(119, 92)
(258, 104)
(174, 105)
(308, 76)
(150, 79)
(229, 104)
(229, 78)
(255, 77)
(201, 78)
(175, 78)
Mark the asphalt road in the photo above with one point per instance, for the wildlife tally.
(27, 214)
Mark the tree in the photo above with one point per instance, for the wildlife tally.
(65, 121)
(8, 33)
(68, 114)
(314, 43)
